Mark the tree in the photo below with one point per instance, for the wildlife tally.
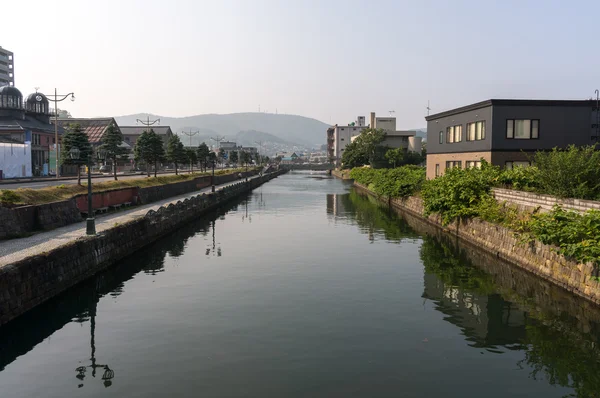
(111, 143)
(221, 155)
(176, 152)
(245, 157)
(395, 156)
(257, 158)
(149, 148)
(266, 160)
(203, 153)
(365, 149)
(75, 138)
(234, 157)
(192, 157)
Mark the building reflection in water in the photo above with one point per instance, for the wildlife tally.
(496, 306)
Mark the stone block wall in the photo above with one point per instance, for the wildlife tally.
(30, 282)
(57, 214)
(529, 201)
(154, 194)
(537, 258)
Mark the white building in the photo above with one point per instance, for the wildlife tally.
(15, 158)
(342, 136)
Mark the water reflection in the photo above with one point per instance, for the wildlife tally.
(498, 307)
(79, 304)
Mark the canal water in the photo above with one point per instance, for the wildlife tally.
(305, 288)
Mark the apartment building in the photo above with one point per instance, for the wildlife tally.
(506, 132)
(7, 68)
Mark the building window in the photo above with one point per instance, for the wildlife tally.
(437, 170)
(454, 134)
(473, 163)
(441, 137)
(511, 164)
(453, 163)
(523, 129)
(476, 131)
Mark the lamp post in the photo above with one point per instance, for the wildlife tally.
(58, 98)
(75, 153)
(147, 122)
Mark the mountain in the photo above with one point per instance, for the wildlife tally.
(289, 128)
(251, 137)
(421, 133)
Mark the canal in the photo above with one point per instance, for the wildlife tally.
(305, 288)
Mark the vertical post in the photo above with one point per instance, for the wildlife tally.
(56, 128)
(212, 180)
(90, 222)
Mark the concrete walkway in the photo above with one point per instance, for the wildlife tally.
(14, 250)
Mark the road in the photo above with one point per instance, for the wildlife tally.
(52, 182)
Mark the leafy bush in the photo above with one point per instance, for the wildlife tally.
(520, 178)
(396, 183)
(8, 197)
(569, 173)
(576, 234)
(459, 191)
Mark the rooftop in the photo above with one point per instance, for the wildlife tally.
(93, 128)
(509, 102)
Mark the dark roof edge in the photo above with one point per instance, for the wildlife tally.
(509, 102)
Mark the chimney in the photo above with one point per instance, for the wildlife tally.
(372, 120)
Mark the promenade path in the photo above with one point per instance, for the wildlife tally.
(14, 250)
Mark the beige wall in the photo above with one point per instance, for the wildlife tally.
(442, 158)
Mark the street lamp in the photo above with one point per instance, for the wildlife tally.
(58, 98)
(75, 153)
(190, 134)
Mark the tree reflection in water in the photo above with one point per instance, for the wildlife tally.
(496, 306)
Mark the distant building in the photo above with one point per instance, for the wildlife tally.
(507, 132)
(338, 137)
(7, 68)
(132, 133)
(94, 128)
(28, 122)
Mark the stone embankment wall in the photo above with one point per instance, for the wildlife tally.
(529, 201)
(26, 219)
(27, 283)
(537, 258)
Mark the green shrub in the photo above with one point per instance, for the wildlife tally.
(458, 192)
(520, 178)
(569, 173)
(395, 183)
(8, 197)
(576, 234)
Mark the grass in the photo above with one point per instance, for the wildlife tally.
(29, 196)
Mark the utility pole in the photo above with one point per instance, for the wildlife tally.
(260, 145)
(218, 141)
(147, 122)
(190, 134)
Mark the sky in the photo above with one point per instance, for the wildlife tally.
(326, 59)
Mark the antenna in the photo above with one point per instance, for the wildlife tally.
(392, 113)
(36, 89)
(428, 108)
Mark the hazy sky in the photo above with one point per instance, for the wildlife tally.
(331, 60)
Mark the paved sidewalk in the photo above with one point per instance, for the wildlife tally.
(17, 249)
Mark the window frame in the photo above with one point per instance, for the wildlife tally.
(451, 131)
(475, 123)
(513, 124)
(441, 137)
(473, 164)
(453, 163)
(437, 169)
